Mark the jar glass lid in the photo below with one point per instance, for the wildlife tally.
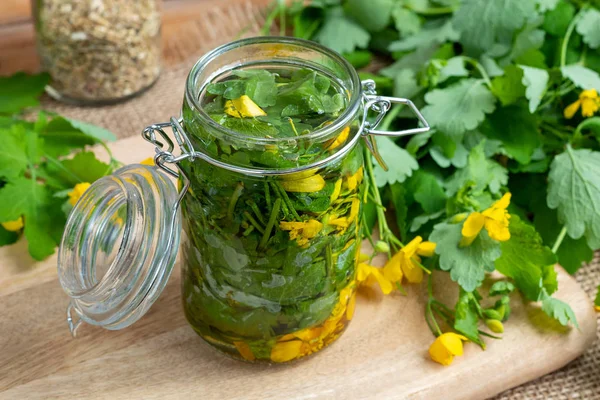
(119, 247)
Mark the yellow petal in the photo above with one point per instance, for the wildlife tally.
(392, 270)
(243, 107)
(504, 202)
(426, 249)
(148, 161)
(413, 273)
(77, 192)
(311, 228)
(339, 140)
(497, 230)
(309, 184)
(286, 351)
(588, 94)
(589, 107)
(445, 347)
(341, 222)
(362, 272)
(351, 307)
(337, 189)
(13, 226)
(471, 228)
(354, 210)
(244, 350)
(411, 248)
(572, 109)
(385, 285)
(351, 182)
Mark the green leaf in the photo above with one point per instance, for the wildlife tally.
(588, 27)
(60, 137)
(559, 310)
(453, 67)
(20, 91)
(501, 288)
(467, 265)
(482, 172)
(413, 61)
(84, 167)
(508, 87)
(597, 299)
(25, 197)
(399, 161)
(341, 33)
(373, 15)
(7, 237)
(574, 190)
(432, 33)
(535, 81)
(359, 58)
(581, 76)
(93, 131)
(483, 23)
(517, 129)
(427, 191)
(405, 84)
(407, 22)
(398, 192)
(459, 107)
(259, 86)
(490, 65)
(572, 253)
(556, 21)
(13, 156)
(546, 5)
(466, 318)
(308, 21)
(527, 268)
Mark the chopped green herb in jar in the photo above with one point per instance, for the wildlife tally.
(269, 271)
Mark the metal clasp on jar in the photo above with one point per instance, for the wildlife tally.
(381, 105)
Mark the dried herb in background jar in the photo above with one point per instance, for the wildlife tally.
(98, 51)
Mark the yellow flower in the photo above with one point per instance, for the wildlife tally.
(77, 192)
(244, 350)
(353, 180)
(495, 220)
(405, 262)
(337, 189)
(368, 275)
(148, 161)
(339, 140)
(243, 107)
(310, 184)
(302, 231)
(13, 226)
(310, 340)
(597, 308)
(588, 101)
(445, 347)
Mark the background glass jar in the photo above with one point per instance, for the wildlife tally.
(272, 224)
(98, 51)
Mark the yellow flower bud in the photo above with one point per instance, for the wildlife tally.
(310, 184)
(382, 247)
(458, 218)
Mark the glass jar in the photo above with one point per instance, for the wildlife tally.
(271, 243)
(98, 51)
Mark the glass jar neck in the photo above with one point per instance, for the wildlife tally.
(209, 137)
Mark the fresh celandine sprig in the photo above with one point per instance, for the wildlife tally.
(511, 94)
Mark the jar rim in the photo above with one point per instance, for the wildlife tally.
(339, 123)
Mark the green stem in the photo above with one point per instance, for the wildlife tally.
(270, 224)
(57, 163)
(254, 222)
(436, 331)
(287, 201)
(565, 42)
(481, 70)
(256, 211)
(237, 192)
(267, 194)
(559, 239)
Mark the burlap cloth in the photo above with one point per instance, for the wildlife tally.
(223, 23)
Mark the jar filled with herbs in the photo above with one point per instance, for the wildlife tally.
(271, 184)
(98, 51)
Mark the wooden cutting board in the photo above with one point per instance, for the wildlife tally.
(383, 354)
